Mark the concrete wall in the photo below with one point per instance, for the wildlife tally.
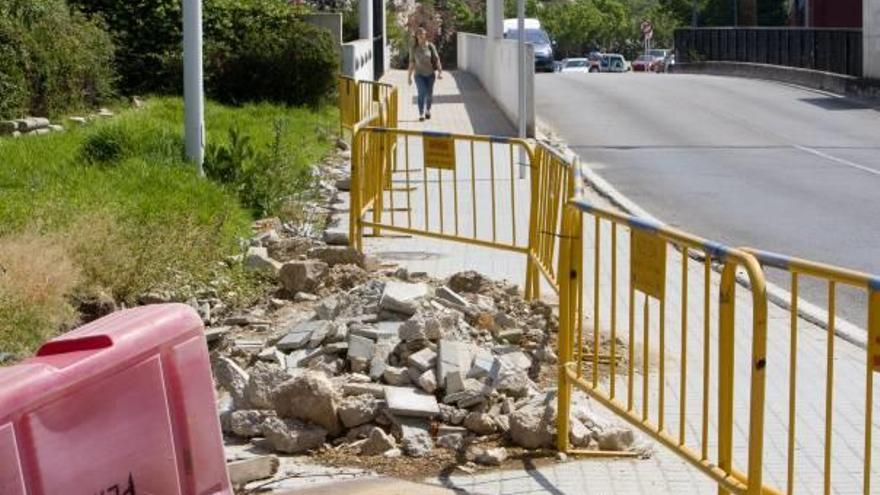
(494, 63)
(871, 33)
(357, 59)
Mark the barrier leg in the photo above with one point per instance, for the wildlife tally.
(727, 300)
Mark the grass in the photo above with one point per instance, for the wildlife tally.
(114, 208)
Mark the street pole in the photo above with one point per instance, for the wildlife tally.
(694, 18)
(521, 79)
(193, 88)
(735, 13)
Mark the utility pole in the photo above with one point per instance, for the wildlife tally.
(695, 15)
(193, 86)
(521, 79)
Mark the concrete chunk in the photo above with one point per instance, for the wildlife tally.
(360, 347)
(402, 297)
(450, 295)
(423, 360)
(407, 402)
(299, 335)
(453, 357)
(244, 471)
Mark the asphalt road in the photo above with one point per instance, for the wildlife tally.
(744, 162)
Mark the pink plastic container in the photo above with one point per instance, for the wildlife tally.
(122, 406)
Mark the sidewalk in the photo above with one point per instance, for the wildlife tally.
(462, 106)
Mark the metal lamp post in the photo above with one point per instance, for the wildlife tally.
(193, 87)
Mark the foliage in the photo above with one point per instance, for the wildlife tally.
(126, 217)
(52, 59)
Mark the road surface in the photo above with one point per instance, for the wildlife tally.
(741, 161)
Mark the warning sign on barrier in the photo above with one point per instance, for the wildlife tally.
(648, 263)
(439, 152)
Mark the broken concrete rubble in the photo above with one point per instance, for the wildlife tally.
(402, 297)
(293, 437)
(309, 396)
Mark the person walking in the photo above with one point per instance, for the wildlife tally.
(425, 63)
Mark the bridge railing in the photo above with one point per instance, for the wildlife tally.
(836, 50)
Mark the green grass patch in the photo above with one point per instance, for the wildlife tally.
(114, 207)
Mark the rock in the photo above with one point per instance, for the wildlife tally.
(305, 297)
(327, 364)
(480, 423)
(337, 255)
(451, 414)
(302, 276)
(616, 439)
(393, 453)
(453, 358)
(379, 362)
(383, 330)
(309, 396)
(320, 331)
(468, 281)
(248, 423)
(515, 383)
(378, 442)
(451, 441)
(491, 457)
(512, 335)
(29, 124)
(419, 328)
(261, 384)
(343, 184)
(8, 127)
(105, 113)
(415, 438)
(56, 128)
(360, 347)
(213, 334)
(78, 120)
(578, 434)
(473, 392)
(257, 259)
(428, 381)
(244, 471)
(484, 365)
(533, 425)
(402, 297)
(342, 145)
(336, 348)
(407, 402)
(451, 296)
(293, 437)
(425, 359)
(358, 409)
(561, 457)
(336, 237)
(233, 379)
(375, 389)
(300, 334)
(396, 376)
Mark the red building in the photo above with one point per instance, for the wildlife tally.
(827, 13)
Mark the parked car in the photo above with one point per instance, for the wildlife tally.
(667, 64)
(645, 63)
(613, 62)
(538, 38)
(595, 61)
(575, 65)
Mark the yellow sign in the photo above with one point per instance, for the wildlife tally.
(439, 152)
(648, 263)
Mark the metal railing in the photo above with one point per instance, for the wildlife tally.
(848, 391)
(357, 99)
(836, 50)
(602, 360)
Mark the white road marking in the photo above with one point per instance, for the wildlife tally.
(835, 159)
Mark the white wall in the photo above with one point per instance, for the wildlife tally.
(494, 63)
(357, 59)
(871, 33)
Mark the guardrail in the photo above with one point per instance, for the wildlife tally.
(836, 50)
(356, 102)
(833, 277)
(593, 361)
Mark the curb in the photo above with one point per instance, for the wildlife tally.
(775, 294)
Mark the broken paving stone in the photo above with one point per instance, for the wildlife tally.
(402, 297)
(327, 364)
(453, 357)
(451, 296)
(428, 381)
(415, 437)
(244, 471)
(383, 330)
(381, 350)
(452, 415)
(408, 402)
(616, 439)
(533, 425)
(302, 276)
(232, 378)
(378, 442)
(248, 423)
(320, 331)
(257, 259)
(212, 334)
(485, 364)
(375, 389)
(491, 457)
(394, 375)
(336, 348)
(424, 359)
(293, 437)
(309, 396)
(480, 423)
(512, 335)
(261, 384)
(473, 393)
(360, 347)
(299, 335)
(358, 409)
(419, 327)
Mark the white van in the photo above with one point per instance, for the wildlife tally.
(512, 24)
(535, 36)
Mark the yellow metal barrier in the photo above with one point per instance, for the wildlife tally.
(851, 431)
(357, 100)
(595, 357)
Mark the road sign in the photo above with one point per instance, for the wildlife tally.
(439, 151)
(647, 29)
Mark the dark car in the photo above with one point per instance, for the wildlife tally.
(543, 47)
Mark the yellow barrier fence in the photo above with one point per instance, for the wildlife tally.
(357, 100)
(847, 416)
(632, 360)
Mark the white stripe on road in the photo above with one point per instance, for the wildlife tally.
(835, 159)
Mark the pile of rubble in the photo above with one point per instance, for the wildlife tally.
(393, 363)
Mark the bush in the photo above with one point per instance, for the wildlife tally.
(51, 59)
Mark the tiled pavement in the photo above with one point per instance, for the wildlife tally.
(461, 106)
